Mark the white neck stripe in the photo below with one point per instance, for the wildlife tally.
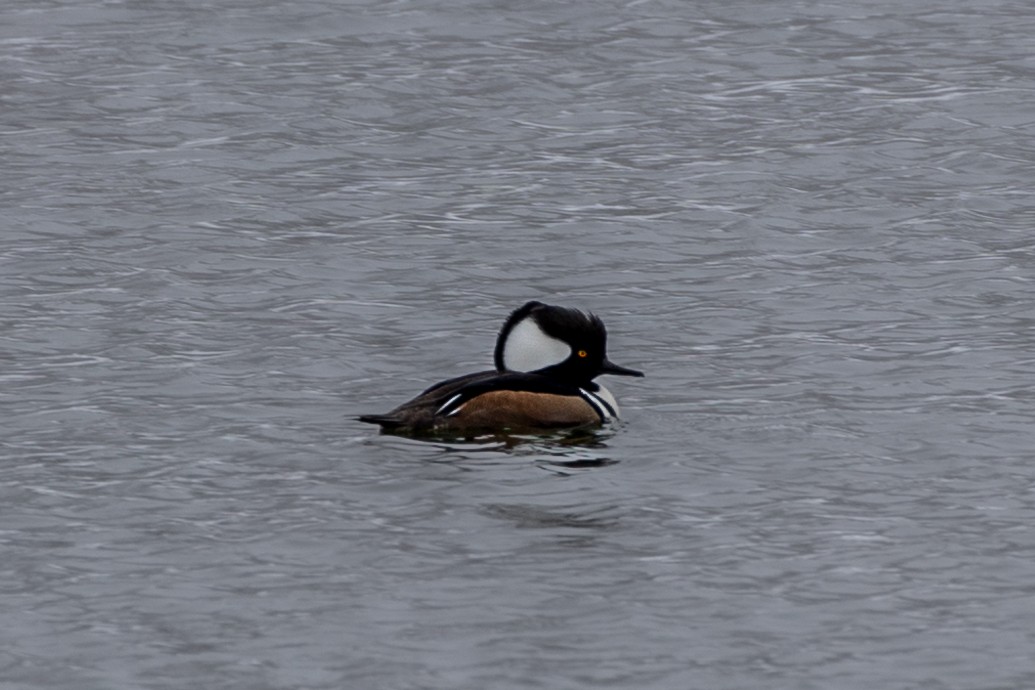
(600, 405)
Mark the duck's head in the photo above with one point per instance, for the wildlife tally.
(563, 343)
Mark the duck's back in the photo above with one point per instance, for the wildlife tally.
(419, 414)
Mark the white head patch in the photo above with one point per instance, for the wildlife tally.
(528, 348)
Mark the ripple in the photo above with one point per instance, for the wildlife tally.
(229, 231)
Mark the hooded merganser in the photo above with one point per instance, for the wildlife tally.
(546, 359)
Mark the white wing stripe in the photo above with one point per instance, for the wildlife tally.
(448, 404)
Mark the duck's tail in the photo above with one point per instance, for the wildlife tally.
(386, 421)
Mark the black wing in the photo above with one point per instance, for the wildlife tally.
(420, 412)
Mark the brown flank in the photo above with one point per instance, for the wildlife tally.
(523, 409)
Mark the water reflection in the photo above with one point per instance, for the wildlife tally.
(579, 436)
(561, 453)
(529, 516)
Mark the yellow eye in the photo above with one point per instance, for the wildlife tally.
(583, 353)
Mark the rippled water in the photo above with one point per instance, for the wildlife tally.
(228, 229)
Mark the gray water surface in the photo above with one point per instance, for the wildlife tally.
(228, 229)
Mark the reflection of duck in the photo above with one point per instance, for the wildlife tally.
(546, 359)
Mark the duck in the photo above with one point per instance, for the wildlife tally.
(546, 358)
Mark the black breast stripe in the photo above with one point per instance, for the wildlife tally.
(601, 406)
